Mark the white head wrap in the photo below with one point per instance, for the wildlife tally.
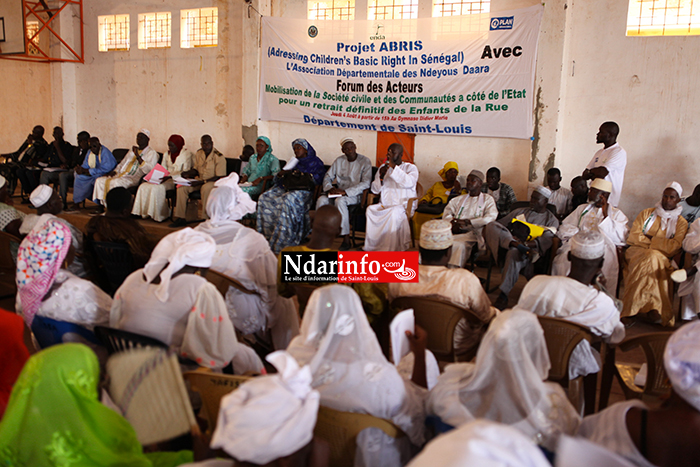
(41, 195)
(506, 384)
(2, 181)
(682, 362)
(185, 247)
(544, 191)
(481, 443)
(436, 234)
(346, 140)
(228, 202)
(269, 417)
(145, 132)
(676, 186)
(588, 244)
(602, 185)
(348, 366)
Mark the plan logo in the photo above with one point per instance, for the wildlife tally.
(350, 266)
(504, 22)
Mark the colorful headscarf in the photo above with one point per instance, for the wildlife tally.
(179, 142)
(14, 354)
(265, 140)
(448, 166)
(40, 256)
(311, 163)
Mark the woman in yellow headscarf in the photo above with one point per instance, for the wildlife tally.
(438, 194)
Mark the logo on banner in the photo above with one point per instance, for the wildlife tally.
(377, 36)
(504, 22)
(350, 266)
(313, 31)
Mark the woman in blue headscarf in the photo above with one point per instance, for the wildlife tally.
(283, 215)
(261, 165)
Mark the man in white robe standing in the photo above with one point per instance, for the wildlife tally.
(610, 162)
(387, 223)
(348, 177)
(597, 215)
(469, 214)
(575, 298)
(137, 163)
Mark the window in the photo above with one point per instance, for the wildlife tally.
(459, 7)
(663, 18)
(199, 27)
(392, 9)
(332, 9)
(113, 32)
(32, 30)
(154, 30)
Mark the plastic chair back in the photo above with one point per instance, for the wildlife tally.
(340, 430)
(120, 153)
(562, 337)
(118, 340)
(212, 387)
(116, 261)
(653, 344)
(222, 282)
(48, 332)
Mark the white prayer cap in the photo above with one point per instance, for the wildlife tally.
(682, 362)
(269, 417)
(602, 185)
(346, 140)
(588, 245)
(41, 195)
(145, 132)
(2, 181)
(436, 234)
(481, 443)
(228, 201)
(478, 174)
(186, 247)
(544, 191)
(676, 186)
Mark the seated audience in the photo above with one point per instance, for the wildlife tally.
(66, 158)
(689, 279)
(56, 400)
(136, 164)
(507, 383)
(596, 215)
(14, 353)
(27, 157)
(347, 178)
(150, 199)
(98, 162)
(263, 165)
(117, 226)
(209, 165)
(45, 287)
(665, 436)
(244, 255)
(579, 190)
(691, 206)
(283, 211)
(10, 218)
(270, 420)
(387, 224)
(502, 193)
(457, 286)
(521, 253)
(352, 375)
(561, 197)
(656, 236)
(575, 298)
(48, 206)
(184, 310)
(469, 214)
(437, 197)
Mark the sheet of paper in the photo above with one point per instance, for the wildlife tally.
(291, 163)
(182, 181)
(334, 196)
(156, 177)
(402, 322)
(246, 184)
(55, 169)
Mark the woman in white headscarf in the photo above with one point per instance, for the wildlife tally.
(169, 300)
(506, 384)
(352, 375)
(656, 236)
(244, 255)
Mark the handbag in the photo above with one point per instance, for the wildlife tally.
(430, 208)
(295, 181)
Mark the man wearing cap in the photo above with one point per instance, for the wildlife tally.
(575, 298)
(610, 162)
(48, 205)
(457, 286)
(387, 223)
(521, 253)
(597, 215)
(97, 162)
(347, 178)
(469, 214)
(137, 163)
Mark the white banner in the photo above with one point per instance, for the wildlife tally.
(469, 75)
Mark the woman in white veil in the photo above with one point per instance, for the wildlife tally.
(506, 384)
(351, 374)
